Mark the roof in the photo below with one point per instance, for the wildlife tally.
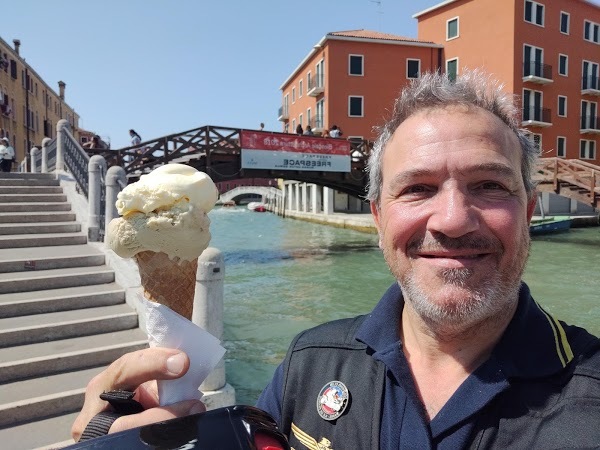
(368, 34)
(447, 2)
(360, 36)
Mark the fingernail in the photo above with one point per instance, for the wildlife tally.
(175, 363)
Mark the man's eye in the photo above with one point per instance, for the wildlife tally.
(492, 185)
(415, 189)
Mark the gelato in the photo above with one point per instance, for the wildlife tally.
(165, 226)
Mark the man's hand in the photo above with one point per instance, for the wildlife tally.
(137, 371)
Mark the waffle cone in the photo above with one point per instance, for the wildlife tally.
(170, 283)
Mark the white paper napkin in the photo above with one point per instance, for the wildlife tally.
(168, 329)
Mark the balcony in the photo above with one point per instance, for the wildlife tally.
(590, 125)
(535, 72)
(536, 117)
(317, 124)
(283, 115)
(590, 85)
(316, 86)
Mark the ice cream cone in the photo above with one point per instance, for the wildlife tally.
(168, 282)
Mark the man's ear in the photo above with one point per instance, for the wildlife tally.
(531, 207)
(375, 211)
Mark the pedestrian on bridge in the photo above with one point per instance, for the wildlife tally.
(457, 353)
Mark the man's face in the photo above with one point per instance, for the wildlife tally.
(453, 217)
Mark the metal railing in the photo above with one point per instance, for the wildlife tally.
(316, 82)
(76, 160)
(542, 115)
(590, 82)
(537, 69)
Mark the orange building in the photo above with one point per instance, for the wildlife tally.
(545, 51)
(350, 79)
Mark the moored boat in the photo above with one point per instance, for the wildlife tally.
(257, 206)
(551, 224)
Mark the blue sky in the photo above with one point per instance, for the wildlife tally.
(162, 67)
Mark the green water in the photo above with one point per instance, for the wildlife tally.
(283, 276)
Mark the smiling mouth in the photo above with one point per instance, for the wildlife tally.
(471, 256)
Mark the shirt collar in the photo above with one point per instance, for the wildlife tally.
(533, 345)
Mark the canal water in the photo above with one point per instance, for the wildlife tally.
(284, 275)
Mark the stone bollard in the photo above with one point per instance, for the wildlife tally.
(208, 307)
(45, 143)
(96, 169)
(115, 178)
(33, 154)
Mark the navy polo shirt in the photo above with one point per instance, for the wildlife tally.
(533, 345)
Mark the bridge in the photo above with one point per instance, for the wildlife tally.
(264, 191)
(217, 151)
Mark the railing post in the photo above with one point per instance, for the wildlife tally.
(208, 307)
(115, 178)
(45, 143)
(33, 155)
(61, 125)
(96, 167)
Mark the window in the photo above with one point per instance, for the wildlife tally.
(590, 78)
(452, 68)
(587, 149)
(562, 106)
(591, 31)
(564, 22)
(300, 88)
(537, 141)
(300, 120)
(452, 28)
(534, 13)
(532, 107)
(533, 62)
(356, 65)
(355, 106)
(308, 75)
(294, 125)
(563, 65)
(561, 147)
(589, 115)
(413, 68)
(308, 117)
(294, 95)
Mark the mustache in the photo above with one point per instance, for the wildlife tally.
(440, 242)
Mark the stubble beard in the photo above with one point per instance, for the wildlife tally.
(493, 299)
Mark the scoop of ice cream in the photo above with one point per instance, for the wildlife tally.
(165, 211)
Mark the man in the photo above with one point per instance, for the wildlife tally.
(7, 155)
(457, 354)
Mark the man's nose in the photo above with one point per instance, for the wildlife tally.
(453, 213)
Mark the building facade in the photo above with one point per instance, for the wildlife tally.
(29, 107)
(350, 78)
(545, 52)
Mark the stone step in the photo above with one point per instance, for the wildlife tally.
(40, 227)
(37, 190)
(34, 207)
(32, 198)
(42, 240)
(39, 398)
(27, 176)
(47, 358)
(45, 258)
(66, 324)
(28, 182)
(64, 299)
(55, 278)
(32, 217)
(50, 433)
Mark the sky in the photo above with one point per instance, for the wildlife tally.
(166, 66)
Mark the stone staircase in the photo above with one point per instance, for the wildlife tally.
(62, 316)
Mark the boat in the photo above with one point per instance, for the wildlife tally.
(257, 207)
(548, 224)
(551, 224)
(228, 204)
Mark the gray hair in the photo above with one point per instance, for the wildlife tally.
(436, 90)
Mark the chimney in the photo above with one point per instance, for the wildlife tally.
(17, 43)
(61, 89)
